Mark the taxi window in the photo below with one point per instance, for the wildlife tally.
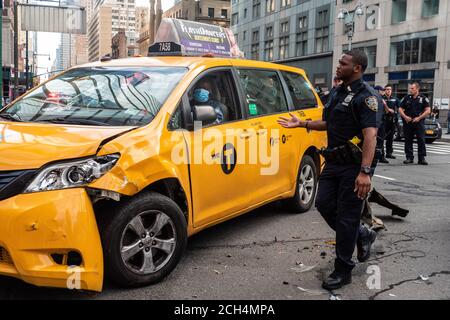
(113, 96)
(220, 94)
(263, 91)
(300, 90)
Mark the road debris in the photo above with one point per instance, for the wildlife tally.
(285, 282)
(335, 297)
(424, 278)
(303, 268)
(313, 292)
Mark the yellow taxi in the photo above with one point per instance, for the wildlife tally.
(108, 168)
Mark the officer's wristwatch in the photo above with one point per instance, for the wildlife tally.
(366, 170)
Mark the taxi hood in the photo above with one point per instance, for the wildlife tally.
(31, 145)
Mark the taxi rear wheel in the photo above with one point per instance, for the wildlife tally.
(144, 240)
(306, 187)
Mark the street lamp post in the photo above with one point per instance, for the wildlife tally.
(351, 24)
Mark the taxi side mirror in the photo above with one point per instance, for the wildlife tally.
(205, 114)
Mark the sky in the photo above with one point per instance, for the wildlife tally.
(48, 42)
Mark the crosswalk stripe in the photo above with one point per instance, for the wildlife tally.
(430, 149)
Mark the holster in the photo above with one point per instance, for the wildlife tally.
(345, 154)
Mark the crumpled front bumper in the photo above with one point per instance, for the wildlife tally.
(39, 231)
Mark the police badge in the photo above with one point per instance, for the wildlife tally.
(372, 103)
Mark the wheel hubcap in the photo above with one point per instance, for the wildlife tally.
(306, 184)
(148, 242)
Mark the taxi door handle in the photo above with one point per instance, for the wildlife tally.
(261, 131)
(246, 134)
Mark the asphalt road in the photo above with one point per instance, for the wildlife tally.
(269, 254)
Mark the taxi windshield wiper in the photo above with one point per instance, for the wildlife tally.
(75, 121)
(10, 117)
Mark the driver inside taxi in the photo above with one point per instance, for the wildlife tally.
(203, 95)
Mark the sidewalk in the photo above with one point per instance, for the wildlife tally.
(445, 137)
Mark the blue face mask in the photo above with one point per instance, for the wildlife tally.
(201, 95)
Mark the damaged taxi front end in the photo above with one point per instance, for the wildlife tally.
(48, 228)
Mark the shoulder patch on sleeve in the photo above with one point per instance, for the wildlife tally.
(372, 103)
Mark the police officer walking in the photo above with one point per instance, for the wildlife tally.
(346, 179)
(414, 108)
(391, 120)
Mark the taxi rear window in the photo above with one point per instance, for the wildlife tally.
(104, 96)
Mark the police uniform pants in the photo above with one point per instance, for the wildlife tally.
(415, 130)
(390, 132)
(341, 208)
(380, 139)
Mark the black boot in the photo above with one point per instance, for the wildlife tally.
(383, 160)
(337, 280)
(390, 156)
(408, 161)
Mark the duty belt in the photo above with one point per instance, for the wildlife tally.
(348, 153)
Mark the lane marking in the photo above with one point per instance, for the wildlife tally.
(382, 177)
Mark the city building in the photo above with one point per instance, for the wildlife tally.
(406, 41)
(292, 32)
(142, 22)
(216, 12)
(7, 46)
(107, 17)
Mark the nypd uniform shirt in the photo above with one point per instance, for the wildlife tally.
(414, 107)
(351, 109)
(392, 103)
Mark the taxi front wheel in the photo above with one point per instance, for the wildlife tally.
(143, 240)
(306, 187)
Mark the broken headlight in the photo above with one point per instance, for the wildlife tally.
(72, 174)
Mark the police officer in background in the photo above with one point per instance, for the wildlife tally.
(380, 154)
(414, 108)
(391, 120)
(346, 180)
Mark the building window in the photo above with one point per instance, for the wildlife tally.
(302, 37)
(430, 8)
(322, 31)
(255, 51)
(245, 13)
(211, 12)
(371, 52)
(244, 36)
(269, 32)
(284, 47)
(268, 50)
(428, 52)
(255, 45)
(270, 5)
(235, 19)
(412, 51)
(255, 36)
(284, 27)
(224, 13)
(398, 11)
(285, 3)
(256, 8)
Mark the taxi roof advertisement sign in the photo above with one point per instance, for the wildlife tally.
(194, 39)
